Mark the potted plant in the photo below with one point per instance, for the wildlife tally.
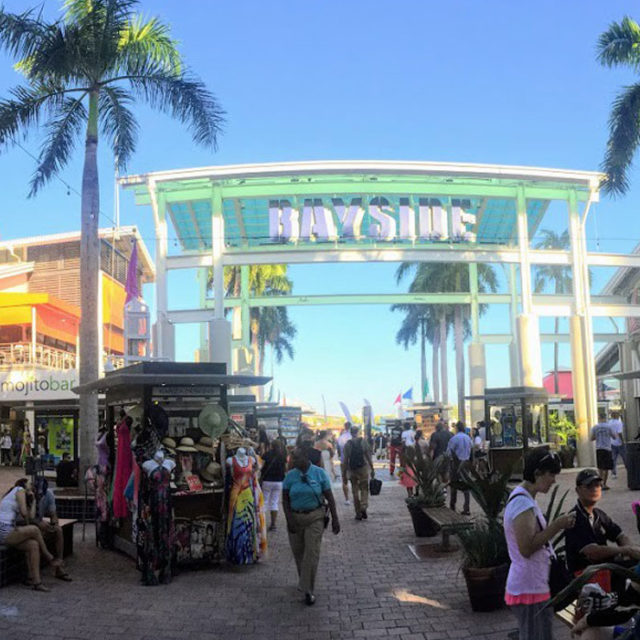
(429, 490)
(485, 559)
(565, 432)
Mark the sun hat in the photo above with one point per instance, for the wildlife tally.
(213, 420)
(135, 412)
(212, 472)
(205, 444)
(186, 445)
(169, 444)
(586, 477)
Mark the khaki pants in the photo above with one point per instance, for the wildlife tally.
(360, 488)
(305, 545)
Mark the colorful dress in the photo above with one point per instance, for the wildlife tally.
(246, 524)
(124, 465)
(156, 533)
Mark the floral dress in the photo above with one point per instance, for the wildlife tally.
(246, 525)
(156, 535)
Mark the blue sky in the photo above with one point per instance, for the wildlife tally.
(492, 82)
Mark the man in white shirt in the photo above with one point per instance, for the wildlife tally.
(459, 450)
(408, 435)
(603, 434)
(5, 445)
(617, 444)
(343, 438)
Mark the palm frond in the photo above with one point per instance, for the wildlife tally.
(620, 44)
(62, 133)
(403, 269)
(21, 34)
(148, 41)
(118, 123)
(624, 136)
(26, 108)
(186, 99)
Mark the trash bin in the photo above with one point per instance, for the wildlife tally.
(632, 459)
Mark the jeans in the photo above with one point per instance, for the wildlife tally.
(534, 623)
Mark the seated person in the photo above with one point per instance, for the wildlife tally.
(51, 531)
(66, 472)
(586, 542)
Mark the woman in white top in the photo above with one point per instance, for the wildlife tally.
(19, 502)
(528, 539)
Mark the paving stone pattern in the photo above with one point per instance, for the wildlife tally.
(369, 586)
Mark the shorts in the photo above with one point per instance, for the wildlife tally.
(604, 459)
(271, 492)
(5, 530)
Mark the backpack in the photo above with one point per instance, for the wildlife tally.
(356, 454)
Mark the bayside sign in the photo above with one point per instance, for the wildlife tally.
(38, 385)
(328, 219)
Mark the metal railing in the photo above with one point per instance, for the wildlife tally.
(22, 354)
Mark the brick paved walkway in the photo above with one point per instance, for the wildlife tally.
(369, 586)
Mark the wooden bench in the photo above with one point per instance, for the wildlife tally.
(449, 522)
(567, 615)
(13, 565)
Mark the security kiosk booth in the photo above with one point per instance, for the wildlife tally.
(516, 420)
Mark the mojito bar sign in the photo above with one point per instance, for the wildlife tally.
(337, 218)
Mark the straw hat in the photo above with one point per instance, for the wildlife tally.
(169, 444)
(205, 444)
(212, 472)
(186, 446)
(135, 412)
(213, 420)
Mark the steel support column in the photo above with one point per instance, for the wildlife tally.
(219, 329)
(580, 343)
(528, 331)
(514, 354)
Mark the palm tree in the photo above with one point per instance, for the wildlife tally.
(268, 325)
(619, 45)
(557, 275)
(82, 75)
(452, 277)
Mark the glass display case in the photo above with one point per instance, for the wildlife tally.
(516, 419)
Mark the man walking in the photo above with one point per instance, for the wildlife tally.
(395, 447)
(359, 465)
(617, 444)
(459, 448)
(603, 434)
(343, 438)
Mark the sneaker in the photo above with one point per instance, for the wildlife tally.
(466, 513)
(309, 598)
(359, 516)
(364, 514)
(347, 502)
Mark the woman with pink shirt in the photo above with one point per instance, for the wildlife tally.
(528, 539)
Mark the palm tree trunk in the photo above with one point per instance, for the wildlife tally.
(459, 347)
(444, 376)
(435, 369)
(556, 329)
(423, 360)
(89, 276)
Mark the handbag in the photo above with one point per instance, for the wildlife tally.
(321, 502)
(375, 486)
(559, 575)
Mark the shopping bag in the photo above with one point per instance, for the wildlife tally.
(375, 486)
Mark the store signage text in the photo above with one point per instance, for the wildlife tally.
(413, 219)
(37, 385)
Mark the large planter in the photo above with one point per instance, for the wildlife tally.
(486, 587)
(423, 525)
(567, 456)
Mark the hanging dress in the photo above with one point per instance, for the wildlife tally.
(156, 533)
(124, 464)
(246, 526)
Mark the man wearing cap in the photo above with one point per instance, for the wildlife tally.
(586, 542)
(357, 465)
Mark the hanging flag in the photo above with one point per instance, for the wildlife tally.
(345, 410)
(131, 286)
(425, 390)
(408, 395)
(398, 400)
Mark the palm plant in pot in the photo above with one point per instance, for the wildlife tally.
(485, 557)
(429, 490)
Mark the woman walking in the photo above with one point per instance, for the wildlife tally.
(272, 475)
(528, 539)
(303, 491)
(19, 502)
(323, 445)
